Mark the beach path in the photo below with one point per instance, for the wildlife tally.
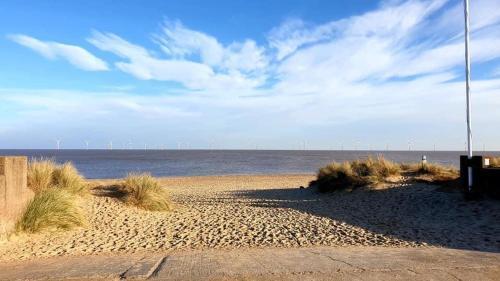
(314, 263)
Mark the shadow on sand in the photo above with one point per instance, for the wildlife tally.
(415, 212)
(113, 191)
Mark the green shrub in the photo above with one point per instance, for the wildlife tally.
(144, 191)
(338, 176)
(50, 209)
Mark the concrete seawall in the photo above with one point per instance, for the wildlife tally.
(14, 191)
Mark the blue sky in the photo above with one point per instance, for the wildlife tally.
(241, 74)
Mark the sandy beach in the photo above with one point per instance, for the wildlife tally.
(265, 211)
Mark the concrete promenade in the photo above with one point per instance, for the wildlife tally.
(318, 263)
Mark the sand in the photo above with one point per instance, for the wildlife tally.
(271, 211)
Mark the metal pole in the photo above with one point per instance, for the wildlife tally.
(467, 90)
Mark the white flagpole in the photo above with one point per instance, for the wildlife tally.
(467, 91)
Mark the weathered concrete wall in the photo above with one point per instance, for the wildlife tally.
(14, 192)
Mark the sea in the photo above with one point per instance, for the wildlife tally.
(105, 164)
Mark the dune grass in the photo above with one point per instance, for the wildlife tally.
(45, 174)
(50, 209)
(145, 192)
(431, 172)
(66, 177)
(374, 171)
(495, 162)
(368, 172)
(54, 205)
(40, 174)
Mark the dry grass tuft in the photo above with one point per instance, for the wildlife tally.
(375, 171)
(431, 172)
(66, 177)
(54, 205)
(40, 174)
(45, 174)
(144, 191)
(372, 171)
(495, 162)
(50, 209)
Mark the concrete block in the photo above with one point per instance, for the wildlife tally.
(14, 191)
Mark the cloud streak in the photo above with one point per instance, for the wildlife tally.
(75, 55)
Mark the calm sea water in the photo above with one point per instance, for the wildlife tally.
(117, 163)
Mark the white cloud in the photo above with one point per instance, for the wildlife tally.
(78, 105)
(483, 13)
(294, 33)
(245, 56)
(366, 51)
(180, 42)
(390, 21)
(75, 55)
(193, 75)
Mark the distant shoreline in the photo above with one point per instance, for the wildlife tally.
(112, 164)
(242, 149)
(212, 177)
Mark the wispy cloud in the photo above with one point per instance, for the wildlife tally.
(178, 41)
(75, 55)
(144, 65)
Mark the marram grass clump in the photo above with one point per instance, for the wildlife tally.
(368, 172)
(495, 162)
(431, 172)
(375, 171)
(145, 192)
(66, 177)
(54, 205)
(40, 174)
(438, 172)
(45, 174)
(50, 209)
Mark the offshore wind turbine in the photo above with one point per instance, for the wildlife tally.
(58, 144)
(87, 145)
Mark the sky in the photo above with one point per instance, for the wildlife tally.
(247, 74)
